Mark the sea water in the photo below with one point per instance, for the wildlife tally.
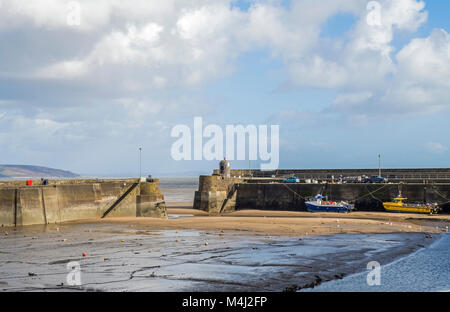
(427, 269)
(179, 189)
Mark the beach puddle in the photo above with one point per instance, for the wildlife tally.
(178, 216)
(176, 233)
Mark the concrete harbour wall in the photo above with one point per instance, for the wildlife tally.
(216, 194)
(62, 201)
(247, 194)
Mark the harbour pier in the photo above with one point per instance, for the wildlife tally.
(265, 190)
(57, 201)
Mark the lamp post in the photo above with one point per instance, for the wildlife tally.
(379, 165)
(140, 162)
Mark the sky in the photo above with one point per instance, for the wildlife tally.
(84, 84)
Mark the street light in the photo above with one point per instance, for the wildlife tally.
(379, 165)
(140, 162)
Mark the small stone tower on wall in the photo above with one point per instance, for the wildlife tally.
(225, 168)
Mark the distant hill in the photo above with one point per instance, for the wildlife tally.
(24, 171)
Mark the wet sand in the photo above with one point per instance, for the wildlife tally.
(257, 222)
(191, 251)
(134, 257)
(180, 205)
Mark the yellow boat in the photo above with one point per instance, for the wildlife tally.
(399, 206)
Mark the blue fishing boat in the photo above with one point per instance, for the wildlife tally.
(320, 204)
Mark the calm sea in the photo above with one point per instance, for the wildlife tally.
(427, 269)
(179, 189)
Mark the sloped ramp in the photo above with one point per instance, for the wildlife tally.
(120, 199)
(230, 195)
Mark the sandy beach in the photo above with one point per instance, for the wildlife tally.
(246, 250)
(133, 256)
(286, 223)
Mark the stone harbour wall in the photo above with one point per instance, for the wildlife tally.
(252, 194)
(62, 201)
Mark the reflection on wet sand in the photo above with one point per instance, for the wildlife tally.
(134, 257)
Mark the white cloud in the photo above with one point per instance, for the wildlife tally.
(185, 45)
(53, 14)
(139, 112)
(413, 81)
(351, 99)
(194, 43)
(94, 15)
(394, 15)
(204, 23)
(426, 61)
(422, 80)
(148, 46)
(156, 46)
(436, 147)
(191, 47)
(319, 73)
(130, 65)
(63, 70)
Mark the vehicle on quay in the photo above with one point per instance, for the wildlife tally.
(321, 204)
(347, 180)
(291, 180)
(374, 179)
